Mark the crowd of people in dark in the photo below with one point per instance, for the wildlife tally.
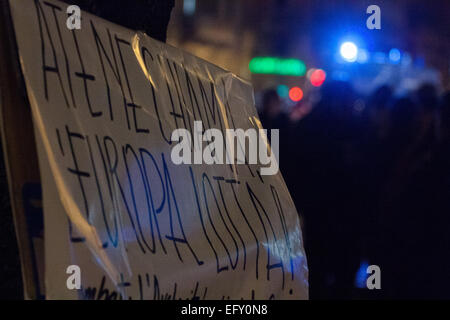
(370, 178)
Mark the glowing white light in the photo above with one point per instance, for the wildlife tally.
(349, 51)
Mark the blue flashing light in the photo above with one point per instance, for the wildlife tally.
(361, 275)
(349, 51)
(363, 56)
(395, 55)
(379, 57)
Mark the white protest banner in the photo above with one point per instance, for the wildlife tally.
(120, 216)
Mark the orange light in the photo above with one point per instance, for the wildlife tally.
(296, 94)
(317, 77)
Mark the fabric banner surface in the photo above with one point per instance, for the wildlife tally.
(120, 216)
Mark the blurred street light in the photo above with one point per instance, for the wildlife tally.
(273, 65)
(296, 94)
(317, 77)
(349, 51)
